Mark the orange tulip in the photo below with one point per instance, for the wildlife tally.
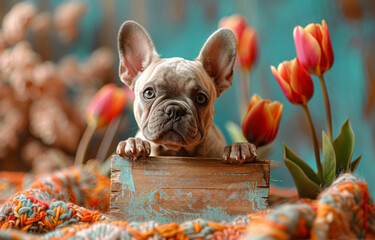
(247, 43)
(262, 120)
(106, 105)
(295, 81)
(314, 49)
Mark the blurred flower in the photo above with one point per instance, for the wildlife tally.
(47, 80)
(247, 43)
(20, 57)
(294, 81)
(3, 44)
(262, 120)
(237, 23)
(314, 49)
(69, 69)
(41, 22)
(54, 123)
(13, 123)
(106, 105)
(44, 159)
(17, 21)
(67, 17)
(248, 48)
(98, 66)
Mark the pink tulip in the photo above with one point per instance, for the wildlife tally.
(294, 81)
(314, 49)
(106, 105)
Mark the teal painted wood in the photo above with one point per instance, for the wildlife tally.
(172, 189)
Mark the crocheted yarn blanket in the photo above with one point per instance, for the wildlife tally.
(72, 204)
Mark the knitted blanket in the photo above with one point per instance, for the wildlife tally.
(72, 203)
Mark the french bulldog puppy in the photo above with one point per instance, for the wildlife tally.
(174, 97)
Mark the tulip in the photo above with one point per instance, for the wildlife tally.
(248, 48)
(262, 120)
(237, 23)
(247, 51)
(294, 81)
(107, 104)
(298, 87)
(314, 49)
(247, 44)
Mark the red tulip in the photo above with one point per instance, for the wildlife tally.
(248, 48)
(247, 43)
(237, 23)
(262, 120)
(295, 81)
(106, 105)
(314, 49)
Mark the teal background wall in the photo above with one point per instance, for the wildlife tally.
(179, 28)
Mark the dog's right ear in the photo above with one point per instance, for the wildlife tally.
(136, 51)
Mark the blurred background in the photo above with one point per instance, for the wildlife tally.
(55, 55)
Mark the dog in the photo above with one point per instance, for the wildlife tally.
(174, 97)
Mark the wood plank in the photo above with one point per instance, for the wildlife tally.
(177, 189)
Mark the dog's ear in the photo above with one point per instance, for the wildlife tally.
(218, 55)
(136, 51)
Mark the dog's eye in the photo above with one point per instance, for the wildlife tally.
(149, 93)
(201, 99)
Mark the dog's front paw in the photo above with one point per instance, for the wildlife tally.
(240, 152)
(134, 148)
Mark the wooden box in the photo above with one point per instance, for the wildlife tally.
(176, 189)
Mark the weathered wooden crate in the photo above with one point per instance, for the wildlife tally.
(175, 189)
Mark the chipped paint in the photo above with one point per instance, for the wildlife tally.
(126, 175)
(217, 213)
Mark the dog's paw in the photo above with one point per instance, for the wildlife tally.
(240, 152)
(134, 149)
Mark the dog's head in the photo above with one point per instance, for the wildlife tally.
(174, 97)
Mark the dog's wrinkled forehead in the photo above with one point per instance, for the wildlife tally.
(177, 74)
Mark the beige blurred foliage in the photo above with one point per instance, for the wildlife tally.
(17, 21)
(42, 101)
(41, 22)
(66, 17)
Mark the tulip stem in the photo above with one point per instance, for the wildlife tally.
(327, 107)
(244, 91)
(83, 144)
(315, 141)
(108, 138)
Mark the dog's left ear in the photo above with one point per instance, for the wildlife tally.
(218, 55)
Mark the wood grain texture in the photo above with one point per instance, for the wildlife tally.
(176, 189)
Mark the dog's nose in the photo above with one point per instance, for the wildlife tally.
(174, 111)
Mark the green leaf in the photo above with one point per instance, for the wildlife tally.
(329, 160)
(344, 144)
(291, 156)
(306, 188)
(235, 132)
(355, 163)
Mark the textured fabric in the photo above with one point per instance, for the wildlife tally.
(72, 204)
